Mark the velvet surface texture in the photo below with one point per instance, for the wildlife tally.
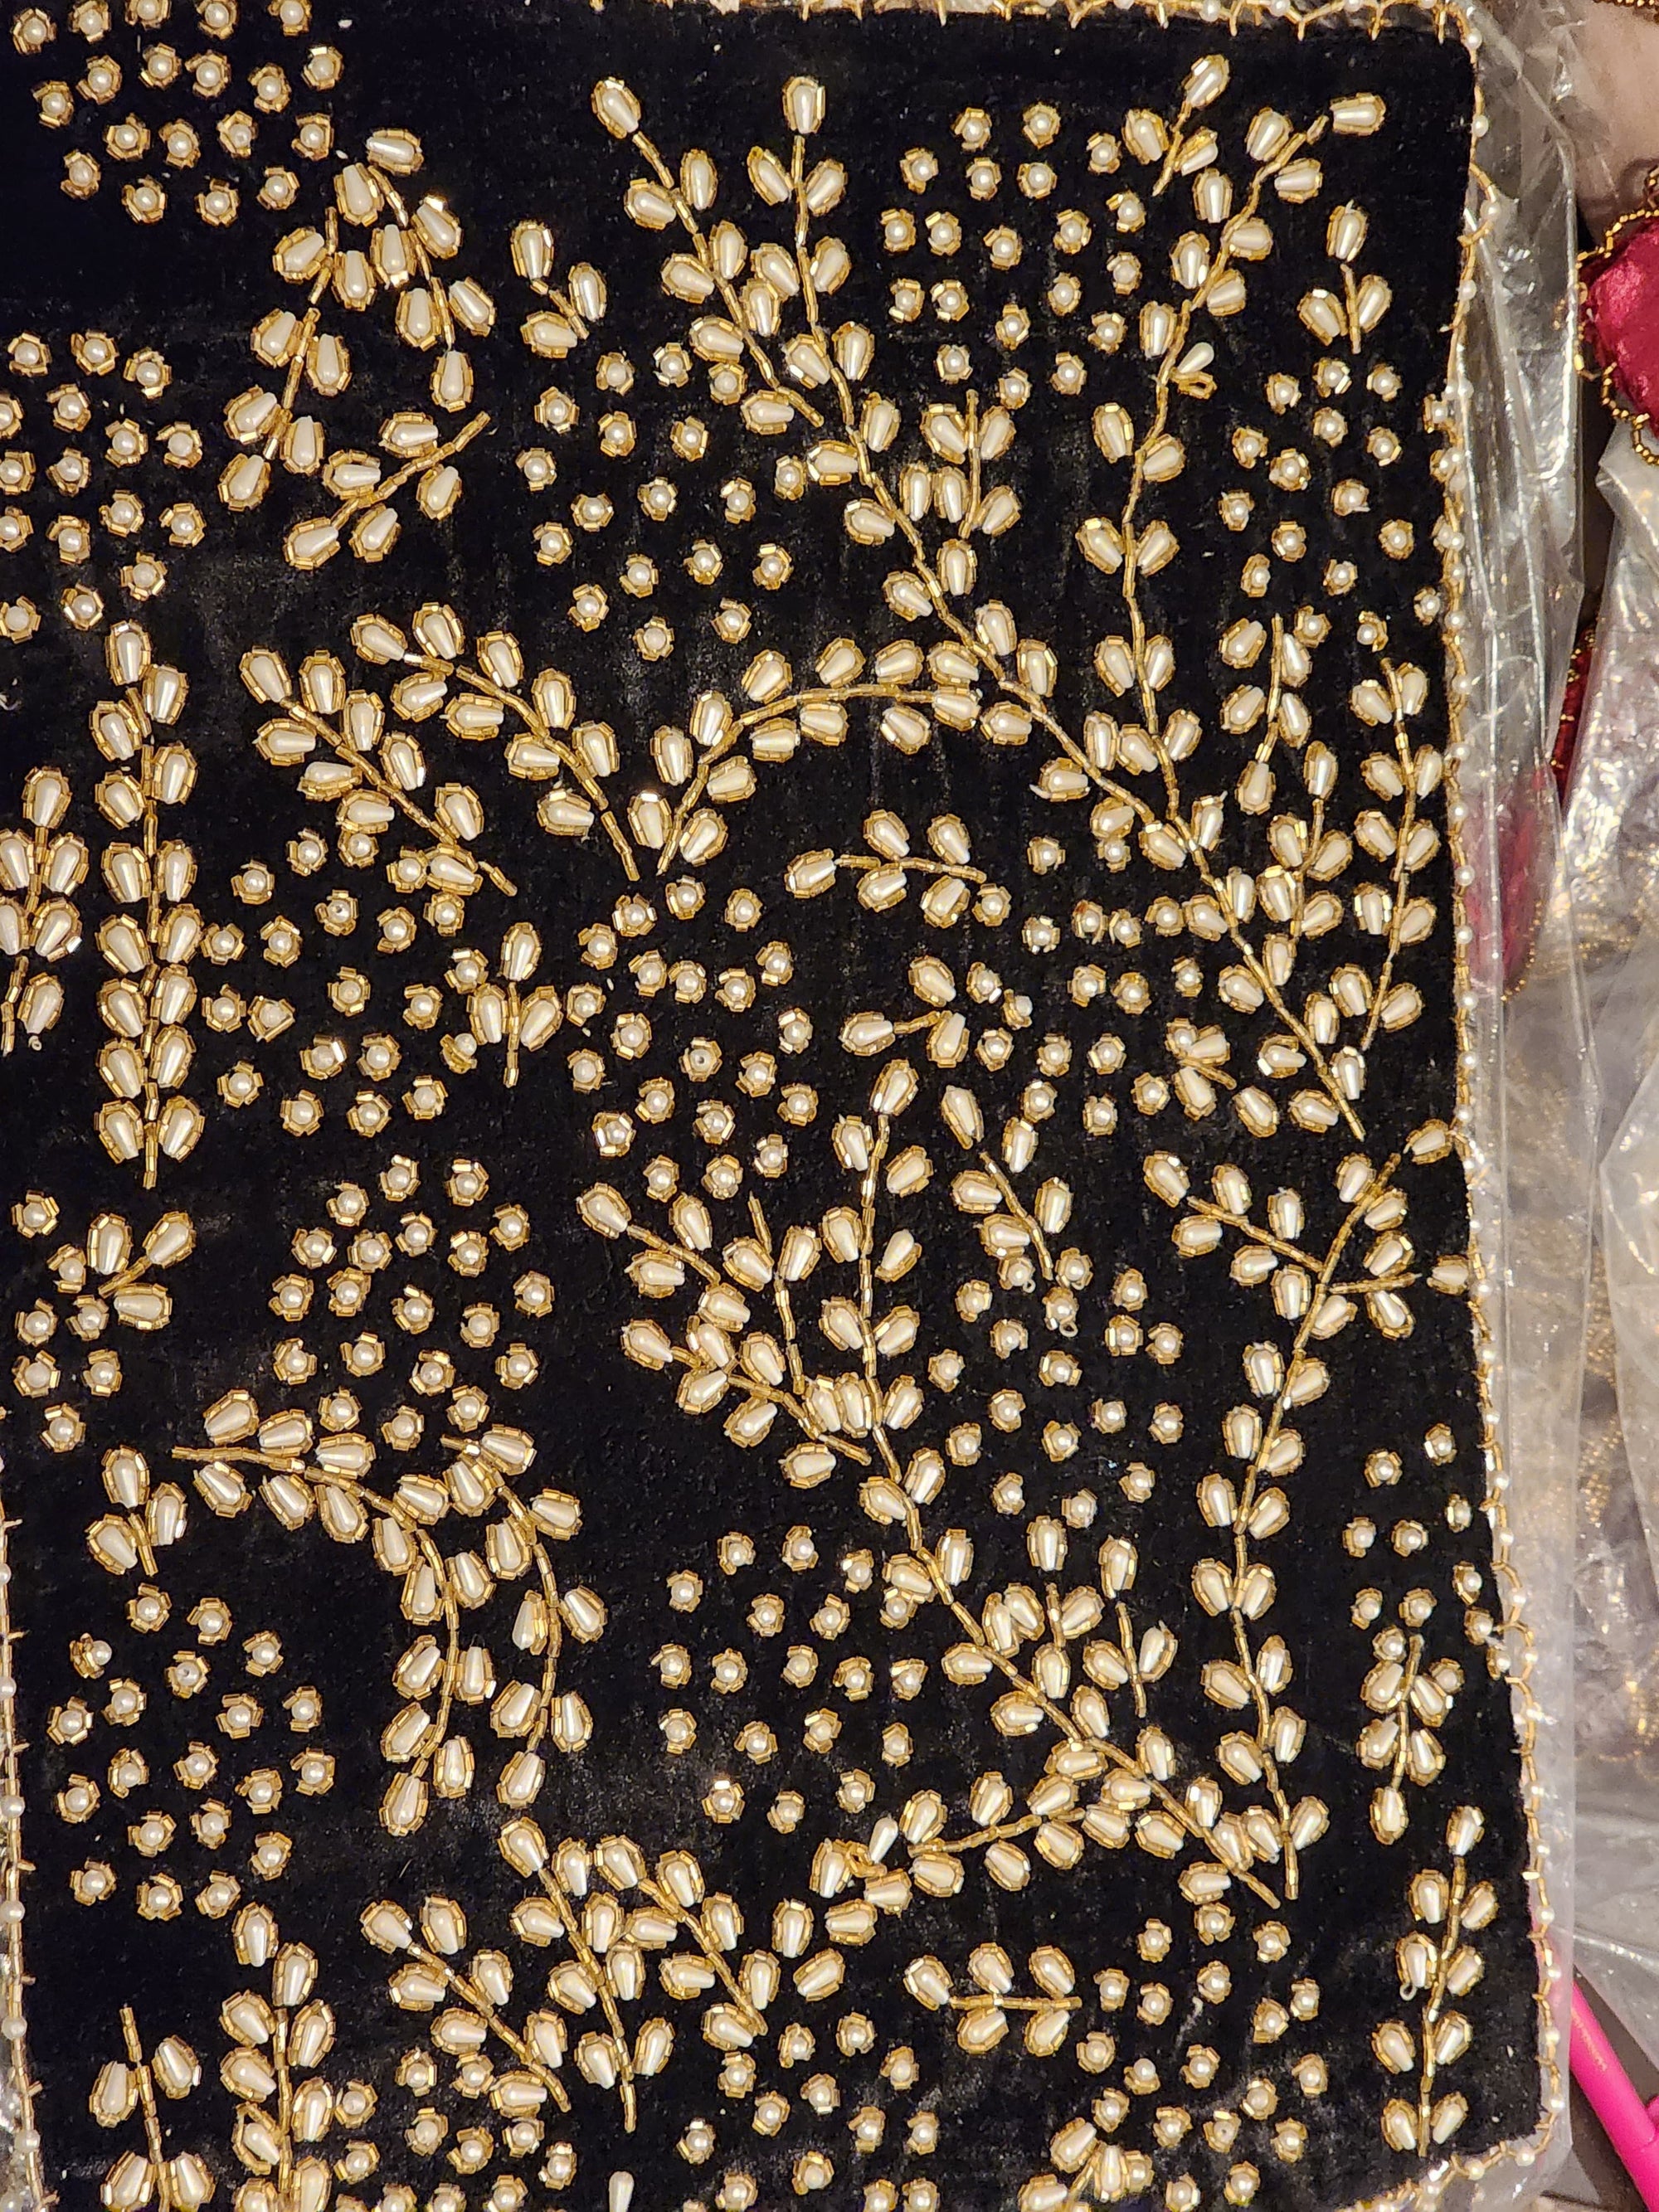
(743, 1455)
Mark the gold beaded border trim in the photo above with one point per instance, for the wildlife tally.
(24, 2139)
(1448, 17)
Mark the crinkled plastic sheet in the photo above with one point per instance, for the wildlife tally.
(1612, 853)
(1533, 1097)
(1611, 849)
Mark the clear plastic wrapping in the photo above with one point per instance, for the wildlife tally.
(1613, 852)
(1533, 1098)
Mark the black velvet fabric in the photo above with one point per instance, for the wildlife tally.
(499, 95)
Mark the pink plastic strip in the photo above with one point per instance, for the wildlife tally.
(1632, 2127)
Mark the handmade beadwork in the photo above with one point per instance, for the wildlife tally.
(746, 1454)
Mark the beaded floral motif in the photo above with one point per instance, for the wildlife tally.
(102, 471)
(360, 235)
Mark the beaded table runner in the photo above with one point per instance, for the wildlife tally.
(744, 1458)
